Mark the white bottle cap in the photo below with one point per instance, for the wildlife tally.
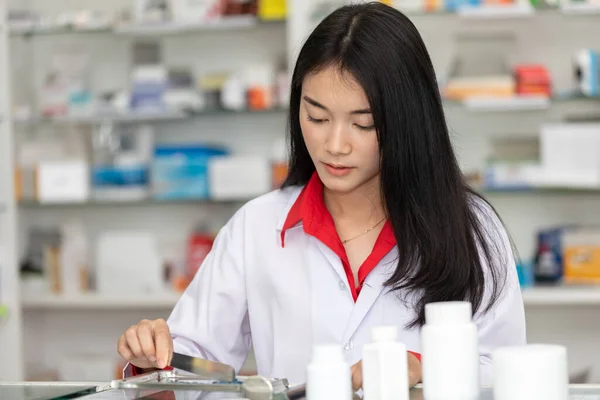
(328, 353)
(450, 312)
(534, 371)
(384, 333)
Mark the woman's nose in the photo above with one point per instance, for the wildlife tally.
(338, 142)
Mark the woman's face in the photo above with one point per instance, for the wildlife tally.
(338, 130)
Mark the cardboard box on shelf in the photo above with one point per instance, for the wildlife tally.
(582, 255)
(272, 10)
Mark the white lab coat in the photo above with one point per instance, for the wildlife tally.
(251, 292)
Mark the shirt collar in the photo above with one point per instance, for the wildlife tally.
(308, 207)
(310, 210)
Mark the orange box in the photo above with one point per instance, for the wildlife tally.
(581, 256)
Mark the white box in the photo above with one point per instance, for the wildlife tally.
(128, 262)
(239, 177)
(63, 181)
(570, 155)
(193, 10)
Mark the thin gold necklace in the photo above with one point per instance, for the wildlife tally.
(365, 232)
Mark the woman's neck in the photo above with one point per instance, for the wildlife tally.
(363, 206)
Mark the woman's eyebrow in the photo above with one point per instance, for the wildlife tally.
(315, 103)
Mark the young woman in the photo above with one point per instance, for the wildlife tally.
(373, 222)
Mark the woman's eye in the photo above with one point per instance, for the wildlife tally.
(315, 120)
(365, 128)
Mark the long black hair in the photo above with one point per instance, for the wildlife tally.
(443, 246)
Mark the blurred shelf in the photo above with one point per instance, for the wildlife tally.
(517, 103)
(561, 296)
(508, 11)
(482, 104)
(536, 296)
(174, 28)
(539, 190)
(497, 11)
(124, 203)
(249, 21)
(142, 117)
(55, 30)
(575, 8)
(101, 302)
(146, 29)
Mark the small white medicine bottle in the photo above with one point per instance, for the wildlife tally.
(385, 366)
(328, 375)
(450, 352)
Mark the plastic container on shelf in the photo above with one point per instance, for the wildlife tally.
(199, 244)
(181, 172)
(74, 259)
(121, 163)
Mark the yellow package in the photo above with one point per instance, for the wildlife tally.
(581, 254)
(272, 10)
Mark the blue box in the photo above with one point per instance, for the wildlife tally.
(181, 172)
(526, 274)
(456, 5)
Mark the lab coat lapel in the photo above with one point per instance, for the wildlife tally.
(371, 290)
(334, 259)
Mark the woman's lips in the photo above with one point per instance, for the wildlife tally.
(337, 170)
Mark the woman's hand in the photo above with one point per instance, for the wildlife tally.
(414, 372)
(147, 345)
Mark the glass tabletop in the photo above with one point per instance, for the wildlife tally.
(64, 391)
(43, 391)
(577, 392)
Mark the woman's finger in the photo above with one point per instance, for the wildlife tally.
(146, 339)
(123, 349)
(133, 342)
(164, 344)
(356, 371)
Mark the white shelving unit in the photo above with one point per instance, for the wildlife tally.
(164, 301)
(41, 329)
(508, 104)
(532, 297)
(580, 9)
(562, 296)
(225, 24)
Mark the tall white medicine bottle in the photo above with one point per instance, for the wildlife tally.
(450, 352)
(385, 366)
(328, 375)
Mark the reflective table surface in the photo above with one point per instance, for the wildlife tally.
(578, 392)
(123, 390)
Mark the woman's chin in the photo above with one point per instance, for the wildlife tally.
(339, 185)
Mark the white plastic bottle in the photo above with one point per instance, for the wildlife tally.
(74, 259)
(328, 375)
(531, 372)
(385, 366)
(450, 352)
